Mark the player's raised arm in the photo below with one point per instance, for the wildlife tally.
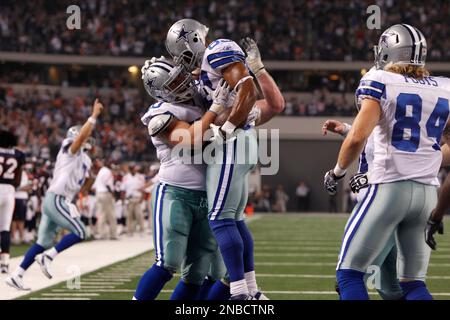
(238, 78)
(273, 102)
(86, 129)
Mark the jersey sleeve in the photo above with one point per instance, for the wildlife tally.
(371, 86)
(222, 53)
(65, 146)
(156, 109)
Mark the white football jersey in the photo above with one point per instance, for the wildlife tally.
(71, 170)
(173, 170)
(219, 55)
(414, 114)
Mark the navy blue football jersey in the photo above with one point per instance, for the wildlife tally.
(11, 160)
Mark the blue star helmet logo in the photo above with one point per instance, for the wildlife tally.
(150, 83)
(182, 34)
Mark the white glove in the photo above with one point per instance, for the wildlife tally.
(253, 56)
(220, 97)
(219, 136)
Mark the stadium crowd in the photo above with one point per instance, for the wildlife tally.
(138, 28)
(40, 119)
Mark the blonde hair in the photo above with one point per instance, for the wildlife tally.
(416, 72)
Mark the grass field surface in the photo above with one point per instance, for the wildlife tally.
(295, 257)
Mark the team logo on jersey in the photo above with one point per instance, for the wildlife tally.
(183, 34)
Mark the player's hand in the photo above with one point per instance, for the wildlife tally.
(330, 182)
(334, 126)
(253, 56)
(359, 181)
(219, 136)
(431, 228)
(220, 97)
(97, 108)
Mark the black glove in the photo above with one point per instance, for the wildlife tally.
(431, 228)
(359, 181)
(330, 182)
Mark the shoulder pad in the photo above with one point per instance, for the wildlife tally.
(159, 123)
(223, 52)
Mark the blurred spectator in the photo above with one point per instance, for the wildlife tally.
(302, 192)
(133, 184)
(106, 213)
(281, 199)
(139, 27)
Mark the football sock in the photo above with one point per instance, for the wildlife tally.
(351, 285)
(152, 283)
(238, 287)
(247, 239)
(250, 278)
(231, 247)
(5, 241)
(219, 291)
(67, 241)
(205, 288)
(415, 290)
(30, 255)
(185, 291)
(52, 253)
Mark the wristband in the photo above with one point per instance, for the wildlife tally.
(228, 127)
(338, 171)
(260, 72)
(92, 120)
(347, 128)
(216, 108)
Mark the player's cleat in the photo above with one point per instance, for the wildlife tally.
(17, 283)
(4, 268)
(260, 296)
(238, 297)
(44, 261)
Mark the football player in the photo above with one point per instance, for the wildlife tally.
(407, 111)
(182, 235)
(71, 170)
(11, 164)
(387, 260)
(227, 182)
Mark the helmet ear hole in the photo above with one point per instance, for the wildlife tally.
(385, 57)
(195, 39)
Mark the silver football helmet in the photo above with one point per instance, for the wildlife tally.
(186, 42)
(166, 81)
(74, 131)
(401, 44)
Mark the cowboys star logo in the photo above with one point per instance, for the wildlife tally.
(150, 82)
(182, 34)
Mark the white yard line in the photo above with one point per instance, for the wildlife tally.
(86, 257)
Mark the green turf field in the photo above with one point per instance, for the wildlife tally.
(295, 259)
(18, 250)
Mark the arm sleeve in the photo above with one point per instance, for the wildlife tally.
(222, 53)
(371, 86)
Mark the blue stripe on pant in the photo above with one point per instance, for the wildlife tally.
(355, 222)
(158, 223)
(226, 175)
(55, 215)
